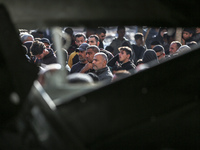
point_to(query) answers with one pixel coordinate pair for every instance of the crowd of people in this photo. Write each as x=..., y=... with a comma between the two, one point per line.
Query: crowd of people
x=88, y=55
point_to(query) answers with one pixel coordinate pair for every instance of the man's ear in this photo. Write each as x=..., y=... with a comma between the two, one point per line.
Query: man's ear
x=105, y=62
x=98, y=43
x=129, y=56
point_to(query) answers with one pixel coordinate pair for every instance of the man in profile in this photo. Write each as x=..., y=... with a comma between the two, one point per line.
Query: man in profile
x=80, y=38
x=174, y=46
x=101, y=33
x=100, y=66
x=122, y=61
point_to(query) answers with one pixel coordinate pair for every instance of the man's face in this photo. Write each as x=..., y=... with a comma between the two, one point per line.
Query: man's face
x=82, y=56
x=123, y=57
x=92, y=41
x=98, y=62
x=89, y=55
x=186, y=35
x=139, y=41
x=47, y=45
x=173, y=48
x=121, y=33
x=40, y=56
x=102, y=36
x=79, y=40
x=160, y=55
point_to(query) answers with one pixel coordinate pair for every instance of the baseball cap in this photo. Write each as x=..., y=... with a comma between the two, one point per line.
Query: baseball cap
x=83, y=47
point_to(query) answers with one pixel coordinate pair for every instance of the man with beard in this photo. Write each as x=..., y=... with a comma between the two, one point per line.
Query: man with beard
x=82, y=58
x=90, y=52
x=100, y=66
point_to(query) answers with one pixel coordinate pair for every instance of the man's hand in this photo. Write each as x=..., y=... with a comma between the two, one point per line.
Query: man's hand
x=87, y=67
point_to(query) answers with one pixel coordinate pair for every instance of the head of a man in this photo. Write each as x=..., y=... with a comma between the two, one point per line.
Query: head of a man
x=121, y=32
x=99, y=61
x=125, y=54
x=139, y=39
x=26, y=37
x=80, y=38
x=38, y=49
x=160, y=52
x=187, y=33
x=46, y=42
x=90, y=52
x=174, y=46
x=101, y=33
x=82, y=52
x=93, y=40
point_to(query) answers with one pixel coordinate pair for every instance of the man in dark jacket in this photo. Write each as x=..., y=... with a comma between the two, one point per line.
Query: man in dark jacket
x=42, y=55
x=122, y=61
x=82, y=58
x=100, y=66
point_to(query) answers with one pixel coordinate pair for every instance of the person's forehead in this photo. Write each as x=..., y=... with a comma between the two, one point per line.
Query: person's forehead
x=173, y=44
x=89, y=50
x=91, y=38
x=102, y=34
x=98, y=57
x=80, y=38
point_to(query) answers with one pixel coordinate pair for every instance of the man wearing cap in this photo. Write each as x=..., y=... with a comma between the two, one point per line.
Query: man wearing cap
x=82, y=58
x=80, y=38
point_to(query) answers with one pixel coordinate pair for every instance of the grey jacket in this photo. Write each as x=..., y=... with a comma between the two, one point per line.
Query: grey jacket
x=104, y=74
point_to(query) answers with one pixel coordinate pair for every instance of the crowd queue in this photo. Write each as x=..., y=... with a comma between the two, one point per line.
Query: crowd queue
x=89, y=60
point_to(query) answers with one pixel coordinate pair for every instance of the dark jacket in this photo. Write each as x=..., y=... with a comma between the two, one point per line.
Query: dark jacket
x=138, y=51
x=48, y=59
x=104, y=74
x=77, y=67
x=114, y=66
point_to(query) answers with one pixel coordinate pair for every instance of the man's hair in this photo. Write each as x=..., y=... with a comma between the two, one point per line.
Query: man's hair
x=100, y=30
x=120, y=28
x=138, y=36
x=69, y=31
x=94, y=48
x=190, y=30
x=37, y=48
x=103, y=55
x=155, y=43
x=94, y=36
x=79, y=35
x=25, y=36
x=178, y=44
x=127, y=50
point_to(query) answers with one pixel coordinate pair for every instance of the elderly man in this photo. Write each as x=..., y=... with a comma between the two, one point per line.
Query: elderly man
x=174, y=46
x=100, y=66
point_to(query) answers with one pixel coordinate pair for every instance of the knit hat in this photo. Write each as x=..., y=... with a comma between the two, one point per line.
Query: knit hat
x=158, y=48
x=149, y=55
x=83, y=47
